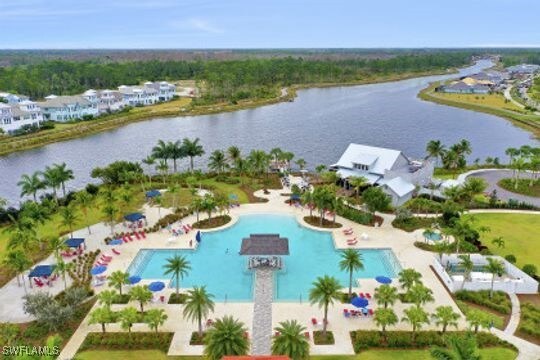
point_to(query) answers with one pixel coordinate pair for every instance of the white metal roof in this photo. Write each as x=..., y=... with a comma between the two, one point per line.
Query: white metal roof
x=346, y=173
x=385, y=158
x=399, y=186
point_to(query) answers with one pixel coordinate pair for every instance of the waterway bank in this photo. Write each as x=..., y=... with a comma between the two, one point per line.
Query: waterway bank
x=175, y=108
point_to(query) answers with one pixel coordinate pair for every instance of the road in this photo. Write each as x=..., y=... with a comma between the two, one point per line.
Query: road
x=493, y=176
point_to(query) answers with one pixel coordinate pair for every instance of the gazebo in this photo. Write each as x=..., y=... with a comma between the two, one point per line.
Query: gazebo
x=134, y=217
x=265, y=250
x=152, y=194
x=41, y=271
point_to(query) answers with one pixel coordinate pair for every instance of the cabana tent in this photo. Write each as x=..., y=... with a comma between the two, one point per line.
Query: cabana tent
x=40, y=271
x=75, y=243
x=134, y=217
x=152, y=194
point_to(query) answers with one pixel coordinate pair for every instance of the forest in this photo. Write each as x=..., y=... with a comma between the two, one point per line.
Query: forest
x=227, y=80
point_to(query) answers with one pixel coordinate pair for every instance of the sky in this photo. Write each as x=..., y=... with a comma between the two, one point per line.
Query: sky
x=189, y=24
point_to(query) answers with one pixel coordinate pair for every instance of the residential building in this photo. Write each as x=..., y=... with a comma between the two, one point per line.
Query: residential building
x=15, y=116
x=138, y=95
x=397, y=175
x=107, y=101
x=12, y=98
x=66, y=108
x=461, y=87
x=165, y=90
x=523, y=69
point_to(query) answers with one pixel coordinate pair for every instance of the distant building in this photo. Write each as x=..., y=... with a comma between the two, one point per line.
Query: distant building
x=523, y=69
x=107, y=101
x=397, y=175
x=15, y=116
x=165, y=90
x=12, y=98
x=66, y=108
x=461, y=87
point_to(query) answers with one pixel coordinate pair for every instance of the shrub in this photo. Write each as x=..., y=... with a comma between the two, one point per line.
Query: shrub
x=35, y=331
x=355, y=215
x=320, y=339
x=92, y=189
x=122, y=340
x=177, y=299
x=510, y=258
x=196, y=339
x=530, y=269
x=363, y=340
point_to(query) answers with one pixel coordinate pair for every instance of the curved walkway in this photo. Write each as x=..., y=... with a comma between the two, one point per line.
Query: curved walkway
x=492, y=177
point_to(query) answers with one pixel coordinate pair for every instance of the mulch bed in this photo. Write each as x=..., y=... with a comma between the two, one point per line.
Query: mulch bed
x=319, y=339
x=316, y=221
x=213, y=222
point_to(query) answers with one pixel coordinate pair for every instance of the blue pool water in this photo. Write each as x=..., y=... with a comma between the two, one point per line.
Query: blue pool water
x=217, y=264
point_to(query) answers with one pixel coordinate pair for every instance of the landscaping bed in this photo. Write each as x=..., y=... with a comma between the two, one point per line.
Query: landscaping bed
x=196, y=339
x=522, y=186
x=529, y=325
x=320, y=339
x=494, y=318
x=414, y=223
x=372, y=339
x=326, y=224
x=125, y=340
x=500, y=302
x=360, y=217
x=177, y=298
x=212, y=222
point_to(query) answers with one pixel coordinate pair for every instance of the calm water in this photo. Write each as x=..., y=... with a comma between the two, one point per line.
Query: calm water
x=217, y=264
x=317, y=126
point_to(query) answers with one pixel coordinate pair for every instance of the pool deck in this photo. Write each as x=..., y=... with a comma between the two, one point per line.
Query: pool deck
x=378, y=237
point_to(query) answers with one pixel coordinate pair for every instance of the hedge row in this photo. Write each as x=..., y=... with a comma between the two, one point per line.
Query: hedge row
x=499, y=302
x=366, y=339
x=125, y=340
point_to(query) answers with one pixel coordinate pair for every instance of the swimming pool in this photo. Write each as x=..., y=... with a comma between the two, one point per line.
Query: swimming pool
x=217, y=264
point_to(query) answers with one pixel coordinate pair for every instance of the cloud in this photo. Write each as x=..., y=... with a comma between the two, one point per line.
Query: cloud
x=196, y=25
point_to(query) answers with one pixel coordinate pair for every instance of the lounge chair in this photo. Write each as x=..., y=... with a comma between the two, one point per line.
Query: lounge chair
x=314, y=321
x=347, y=230
x=370, y=312
x=116, y=251
x=143, y=234
x=368, y=295
x=137, y=236
x=125, y=239
x=352, y=241
x=306, y=334
x=38, y=282
x=361, y=295
x=129, y=237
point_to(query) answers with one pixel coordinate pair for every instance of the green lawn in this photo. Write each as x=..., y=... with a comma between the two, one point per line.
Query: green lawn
x=491, y=353
x=523, y=186
x=519, y=231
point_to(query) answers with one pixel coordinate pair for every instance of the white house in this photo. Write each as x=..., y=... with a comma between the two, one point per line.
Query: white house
x=138, y=96
x=12, y=98
x=165, y=90
x=66, y=108
x=106, y=100
x=394, y=172
x=15, y=116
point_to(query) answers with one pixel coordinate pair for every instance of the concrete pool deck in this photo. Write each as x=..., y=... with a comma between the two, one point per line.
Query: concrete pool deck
x=378, y=237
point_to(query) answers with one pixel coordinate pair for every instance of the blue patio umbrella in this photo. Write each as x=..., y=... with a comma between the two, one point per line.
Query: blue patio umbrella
x=156, y=286
x=98, y=270
x=134, y=279
x=115, y=242
x=198, y=236
x=383, y=279
x=359, y=302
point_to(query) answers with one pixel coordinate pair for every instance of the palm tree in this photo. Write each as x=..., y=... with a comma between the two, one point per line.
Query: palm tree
x=409, y=277
x=499, y=241
x=101, y=316
x=128, y=317
x=385, y=317
x=69, y=218
x=416, y=316
x=18, y=262
x=435, y=149
x=445, y=316
x=307, y=199
x=419, y=294
x=463, y=147
x=155, y=318
x=141, y=294
x=275, y=153
x=161, y=151
x=64, y=175
x=149, y=161
x=301, y=163
x=197, y=205
x=162, y=167
x=226, y=337
x=459, y=348
x=233, y=154
x=192, y=148
x=259, y=161
x=291, y=340
x=468, y=267
x=386, y=295
x=62, y=268
x=351, y=260
x=177, y=266
x=357, y=182
x=117, y=279
x=85, y=200
x=324, y=292
x=110, y=211
x=217, y=161
x=241, y=167
x=56, y=245
x=31, y=184
x=496, y=268
x=22, y=232
x=477, y=318
x=107, y=298
x=176, y=151
x=198, y=305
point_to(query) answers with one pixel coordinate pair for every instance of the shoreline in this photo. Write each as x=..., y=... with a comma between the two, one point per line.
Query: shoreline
x=10, y=145
x=529, y=123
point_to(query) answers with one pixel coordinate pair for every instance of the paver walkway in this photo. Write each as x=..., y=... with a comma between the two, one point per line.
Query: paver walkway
x=262, y=312
x=512, y=325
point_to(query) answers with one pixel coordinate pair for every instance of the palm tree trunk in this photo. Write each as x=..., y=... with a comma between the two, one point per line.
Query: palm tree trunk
x=200, y=326
x=103, y=328
x=64, y=189
x=350, y=283
x=191, y=163
x=174, y=165
x=142, y=307
x=444, y=328
x=325, y=321
x=177, y=284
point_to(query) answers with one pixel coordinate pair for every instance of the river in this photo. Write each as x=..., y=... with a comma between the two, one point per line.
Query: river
x=317, y=126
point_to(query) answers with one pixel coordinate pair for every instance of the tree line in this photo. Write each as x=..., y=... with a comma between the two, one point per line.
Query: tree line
x=222, y=80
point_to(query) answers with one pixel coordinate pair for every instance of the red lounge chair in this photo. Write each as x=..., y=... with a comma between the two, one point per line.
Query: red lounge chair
x=314, y=321
x=277, y=333
x=38, y=282
x=370, y=312
x=130, y=238
x=105, y=256
x=306, y=334
x=137, y=236
x=351, y=243
x=347, y=230
x=116, y=251
x=361, y=295
x=186, y=229
x=162, y=298
x=143, y=234
x=189, y=227
x=125, y=239
x=368, y=295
